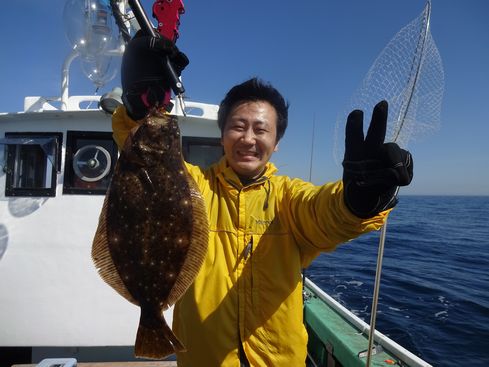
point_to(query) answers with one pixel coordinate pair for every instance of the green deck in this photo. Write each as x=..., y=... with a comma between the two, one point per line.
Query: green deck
x=329, y=331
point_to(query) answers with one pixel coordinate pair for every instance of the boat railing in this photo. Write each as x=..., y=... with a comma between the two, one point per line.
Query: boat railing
x=405, y=355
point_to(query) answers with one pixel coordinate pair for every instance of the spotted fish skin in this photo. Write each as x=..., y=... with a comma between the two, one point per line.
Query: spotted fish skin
x=153, y=230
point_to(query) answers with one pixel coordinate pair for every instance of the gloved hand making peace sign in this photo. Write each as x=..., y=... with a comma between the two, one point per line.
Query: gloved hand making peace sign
x=373, y=170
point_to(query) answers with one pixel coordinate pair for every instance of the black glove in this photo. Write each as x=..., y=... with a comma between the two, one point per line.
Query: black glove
x=144, y=70
x=372, y=170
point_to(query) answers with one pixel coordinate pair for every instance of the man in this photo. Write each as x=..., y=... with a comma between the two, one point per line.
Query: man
x=245, y=306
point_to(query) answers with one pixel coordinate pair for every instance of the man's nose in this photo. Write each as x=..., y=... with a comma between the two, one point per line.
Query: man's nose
x=249, y=136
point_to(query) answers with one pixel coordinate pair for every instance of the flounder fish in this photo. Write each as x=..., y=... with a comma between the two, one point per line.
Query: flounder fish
x=153, y=231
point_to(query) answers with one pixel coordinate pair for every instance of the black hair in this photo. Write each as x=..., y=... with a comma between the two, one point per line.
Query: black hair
x=255, y=90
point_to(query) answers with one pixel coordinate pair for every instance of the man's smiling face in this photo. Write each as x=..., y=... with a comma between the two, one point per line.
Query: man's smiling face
x=249, y=137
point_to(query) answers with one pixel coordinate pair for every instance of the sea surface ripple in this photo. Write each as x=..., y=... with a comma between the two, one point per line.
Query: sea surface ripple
x=434, y=293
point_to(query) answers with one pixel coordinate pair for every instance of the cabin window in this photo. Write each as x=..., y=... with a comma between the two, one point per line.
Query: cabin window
x=201, y=151
x=89, y=163
x=31, y=163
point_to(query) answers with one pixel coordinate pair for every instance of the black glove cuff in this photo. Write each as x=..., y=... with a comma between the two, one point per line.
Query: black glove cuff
x=367, y=202
x=135, y=107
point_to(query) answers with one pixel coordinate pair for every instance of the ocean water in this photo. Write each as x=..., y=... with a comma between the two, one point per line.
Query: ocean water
x=434, y=292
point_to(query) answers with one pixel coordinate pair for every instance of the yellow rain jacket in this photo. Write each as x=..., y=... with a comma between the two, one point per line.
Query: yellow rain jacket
x=249, y=289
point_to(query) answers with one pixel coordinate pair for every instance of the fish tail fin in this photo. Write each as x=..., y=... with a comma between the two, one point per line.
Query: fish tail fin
x=156, y=343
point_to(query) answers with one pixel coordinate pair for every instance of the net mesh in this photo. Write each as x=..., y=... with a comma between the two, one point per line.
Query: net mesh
x=408, y=73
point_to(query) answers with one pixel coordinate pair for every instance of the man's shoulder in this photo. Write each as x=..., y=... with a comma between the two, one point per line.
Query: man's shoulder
x=289, y=185
x=202, y=175
x=288, y=180
x=196, y=170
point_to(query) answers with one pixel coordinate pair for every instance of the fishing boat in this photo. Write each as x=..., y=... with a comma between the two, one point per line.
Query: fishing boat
x=56, y=166
x=56, y=160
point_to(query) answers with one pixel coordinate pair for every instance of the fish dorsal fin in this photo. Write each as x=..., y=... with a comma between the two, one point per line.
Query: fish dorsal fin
x=103, y=260
x=198, y=245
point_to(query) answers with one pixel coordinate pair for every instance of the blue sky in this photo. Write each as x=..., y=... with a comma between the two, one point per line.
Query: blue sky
x=316, y=53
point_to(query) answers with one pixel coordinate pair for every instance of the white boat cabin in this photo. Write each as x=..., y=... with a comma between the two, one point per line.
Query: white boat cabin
x=55, y=167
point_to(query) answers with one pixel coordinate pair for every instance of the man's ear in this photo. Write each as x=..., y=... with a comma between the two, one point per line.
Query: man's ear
x=276, y=148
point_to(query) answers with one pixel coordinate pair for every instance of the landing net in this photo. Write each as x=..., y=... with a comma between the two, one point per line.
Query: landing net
x=408, y=73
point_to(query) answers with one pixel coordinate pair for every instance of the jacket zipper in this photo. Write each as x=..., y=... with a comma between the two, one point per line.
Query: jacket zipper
x=248, y=249
x=249, y=252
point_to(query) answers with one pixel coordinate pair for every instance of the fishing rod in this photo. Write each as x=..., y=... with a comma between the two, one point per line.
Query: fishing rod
x=167, y=14
x=120, y=20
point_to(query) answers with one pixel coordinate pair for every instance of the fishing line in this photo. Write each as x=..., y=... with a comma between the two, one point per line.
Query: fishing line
x=310, y=179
